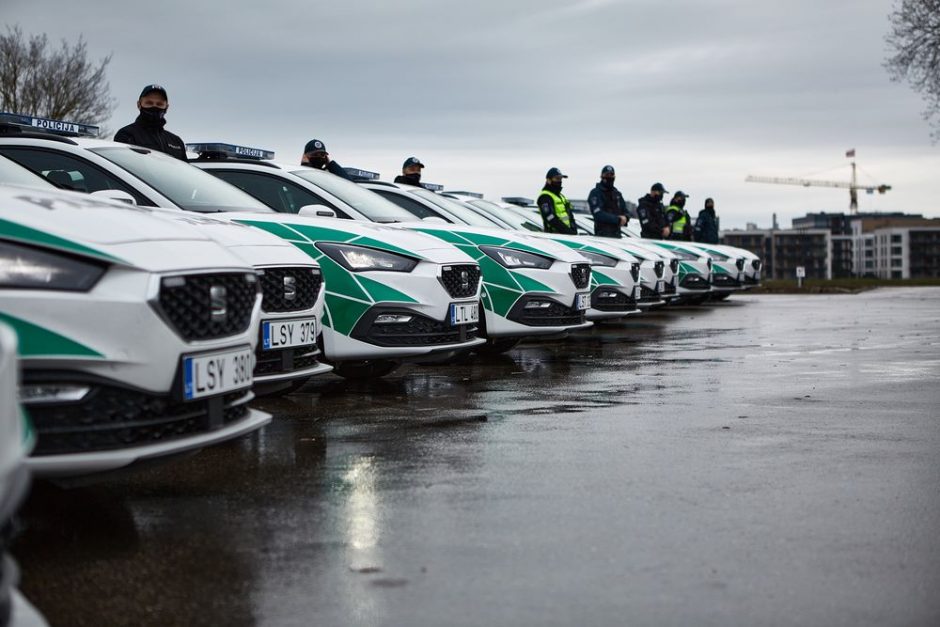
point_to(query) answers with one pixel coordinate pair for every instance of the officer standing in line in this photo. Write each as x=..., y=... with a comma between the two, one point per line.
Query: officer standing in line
x=410, y=172
x=316, y=156
x=680, y=224
x=650, y=211
x=147, y=130
x=706, y=224
x=557, y=216
x=608, y=206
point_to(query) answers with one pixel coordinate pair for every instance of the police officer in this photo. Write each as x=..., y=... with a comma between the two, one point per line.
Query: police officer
x=706, y=224
x=316, y=156
x=650, y=211
x=607, y=205
x=147, y=130
x=557, y=216
x=410, y=172
x=680, y=224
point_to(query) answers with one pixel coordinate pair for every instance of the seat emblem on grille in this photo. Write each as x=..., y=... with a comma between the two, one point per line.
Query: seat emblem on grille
x=290, y=288
x=464, y=280
x=217, y=303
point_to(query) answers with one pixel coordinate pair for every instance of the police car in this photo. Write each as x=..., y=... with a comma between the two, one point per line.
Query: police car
x=288, y=353
x=615, y=274
x=136, y=332
x=523, y=294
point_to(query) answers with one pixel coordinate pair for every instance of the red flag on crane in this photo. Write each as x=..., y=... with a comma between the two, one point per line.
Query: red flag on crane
x=850, y=152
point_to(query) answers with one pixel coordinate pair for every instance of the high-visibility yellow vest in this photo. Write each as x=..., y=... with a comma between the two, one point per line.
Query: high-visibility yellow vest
x=678, y=227
x=562, y=206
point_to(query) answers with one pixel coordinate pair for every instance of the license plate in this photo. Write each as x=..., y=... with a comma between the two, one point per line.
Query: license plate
x=464, y=314
x=660, y=287
x=582, y=301
x=637, y=292
x=287, y=333
x=216, y=373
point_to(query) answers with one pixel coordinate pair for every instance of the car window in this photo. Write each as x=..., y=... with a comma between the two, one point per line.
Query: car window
x=411, y=206
x=455, y=209
x=69, y=172
x=369, y=204
x=185, y=185
x=14, y=174
x=277, y=193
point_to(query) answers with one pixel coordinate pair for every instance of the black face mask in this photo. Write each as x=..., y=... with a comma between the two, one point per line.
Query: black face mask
x=153, y=115
x=554, y=187
x=680, y=202
x=710, y=207
x=608, y=181
x=415, y=176
x=317, y=162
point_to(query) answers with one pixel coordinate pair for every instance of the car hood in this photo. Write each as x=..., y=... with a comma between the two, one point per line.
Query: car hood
x=469, y=237
x=107, y=230
x=392, y=238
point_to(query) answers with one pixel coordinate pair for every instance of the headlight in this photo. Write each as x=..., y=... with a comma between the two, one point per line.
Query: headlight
x=517, y=258
x=360, y=258
x=22, y=267
x=598, y=259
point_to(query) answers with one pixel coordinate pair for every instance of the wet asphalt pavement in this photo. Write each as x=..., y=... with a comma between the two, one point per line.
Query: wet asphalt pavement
x=769, y=460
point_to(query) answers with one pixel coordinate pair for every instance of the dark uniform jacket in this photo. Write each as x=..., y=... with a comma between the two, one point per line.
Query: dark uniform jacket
x=153, y=136
x=706, y=226
x=550, y=220
x=652, y=218
x=607, y=205
x=405, y=180
x=676, y=215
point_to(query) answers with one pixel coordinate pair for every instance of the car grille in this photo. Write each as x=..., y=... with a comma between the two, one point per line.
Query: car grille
x=285, y=360
x=670, y=286
x=756, y=264
x=739, y=264
x=581, y=275
x=208, y=306
x=419, y=331
x=555, y=315
x=751, y=281
x=695, y=282
x=725, y=280
x=635, y=271
x=606, y=299
x=659, y=267
x=461, y=281
x=115, y=418
x=674, y=265
x=289, y=289
x=649, y=295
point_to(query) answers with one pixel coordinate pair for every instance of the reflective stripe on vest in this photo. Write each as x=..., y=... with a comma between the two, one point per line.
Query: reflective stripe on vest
x=562, y=206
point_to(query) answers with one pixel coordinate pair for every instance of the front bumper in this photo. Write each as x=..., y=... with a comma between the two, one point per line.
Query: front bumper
x=608, y=302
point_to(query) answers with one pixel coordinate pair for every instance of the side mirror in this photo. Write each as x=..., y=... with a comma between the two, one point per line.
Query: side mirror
x=115, y=194
x=316, y=211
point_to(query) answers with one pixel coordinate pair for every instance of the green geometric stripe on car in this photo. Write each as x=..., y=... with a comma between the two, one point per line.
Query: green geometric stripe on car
x=340, y=282
x=717, y=269
x=530, y=285
x=12, y=230
x=344, y=313
x=686, y=268
x=374, y=243
x=275, y=229
x=500, y=299
x=381, y=292
x=579, y=246
x=35, y=341
x=602, y=279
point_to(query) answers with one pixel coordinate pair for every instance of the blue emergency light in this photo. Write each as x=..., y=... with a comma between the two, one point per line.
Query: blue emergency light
x=362, y=175
x=434, y=187
x=230, y=151
x=56, y=127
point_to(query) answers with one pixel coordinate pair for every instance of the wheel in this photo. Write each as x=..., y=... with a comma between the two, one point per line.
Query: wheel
x=495, y=347
x=371, y=369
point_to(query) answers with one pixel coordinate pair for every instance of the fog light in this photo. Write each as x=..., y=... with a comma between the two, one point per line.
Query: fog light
x=538, y=304
x=393, y=319
x=52, y=393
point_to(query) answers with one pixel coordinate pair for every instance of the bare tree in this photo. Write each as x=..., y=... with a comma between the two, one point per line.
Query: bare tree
x=62, y=83
x=915, y=39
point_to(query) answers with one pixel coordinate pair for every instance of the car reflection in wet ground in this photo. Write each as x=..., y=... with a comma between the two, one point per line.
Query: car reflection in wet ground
x=771, y=459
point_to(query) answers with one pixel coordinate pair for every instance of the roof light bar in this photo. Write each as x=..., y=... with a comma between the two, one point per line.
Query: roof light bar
x=55, y=127
x=362, y=175
x=434, y=187
x=230, y=151
x=470, y=194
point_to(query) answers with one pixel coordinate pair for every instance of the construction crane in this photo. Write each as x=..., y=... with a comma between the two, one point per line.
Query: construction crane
x=852, y=185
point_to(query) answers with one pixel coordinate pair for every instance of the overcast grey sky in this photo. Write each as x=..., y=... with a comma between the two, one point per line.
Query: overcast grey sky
x=489, y=94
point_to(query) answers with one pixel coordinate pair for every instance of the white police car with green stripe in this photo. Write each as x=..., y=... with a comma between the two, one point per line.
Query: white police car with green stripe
x=136, y=332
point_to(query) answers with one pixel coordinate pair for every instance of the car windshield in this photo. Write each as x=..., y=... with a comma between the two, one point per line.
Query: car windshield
x=455, y=209
x=188, y=187
x=365, y=201
x=15, y=174
x=517, y=221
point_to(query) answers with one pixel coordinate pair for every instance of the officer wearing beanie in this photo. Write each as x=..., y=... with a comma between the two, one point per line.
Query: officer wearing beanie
x=557, y=216
x=148, y=129
x=607, y=206
x=410, y=172
x=316, y=156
